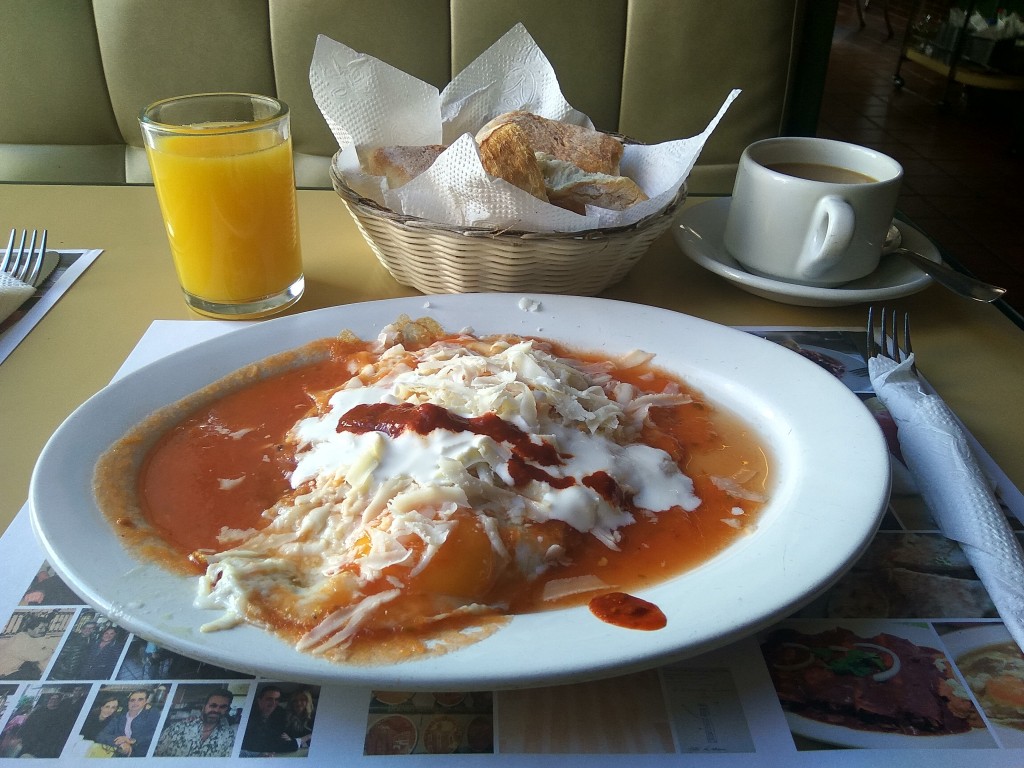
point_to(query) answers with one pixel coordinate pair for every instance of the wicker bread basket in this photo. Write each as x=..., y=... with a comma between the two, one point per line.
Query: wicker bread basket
x=439, y=258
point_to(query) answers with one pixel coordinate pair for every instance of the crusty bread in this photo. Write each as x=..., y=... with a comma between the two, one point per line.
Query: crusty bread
x=590, y=150
x=506, y=153
x=401, y=164
x=573, y=189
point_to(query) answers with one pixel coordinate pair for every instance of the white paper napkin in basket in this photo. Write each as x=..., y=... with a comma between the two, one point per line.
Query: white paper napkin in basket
x=368, y=103
x=953, y=486
x=13, y=293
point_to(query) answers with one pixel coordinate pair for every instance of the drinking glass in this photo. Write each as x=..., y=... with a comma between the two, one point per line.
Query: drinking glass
x=224, y=177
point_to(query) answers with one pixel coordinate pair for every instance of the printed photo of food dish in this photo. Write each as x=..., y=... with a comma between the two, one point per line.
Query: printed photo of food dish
x=993, y=666
x=907, y=575
x=439, y=723
x=839, y=352
x=870, y=685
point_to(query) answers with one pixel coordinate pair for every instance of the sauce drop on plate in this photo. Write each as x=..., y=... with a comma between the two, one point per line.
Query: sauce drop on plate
x=628, y=611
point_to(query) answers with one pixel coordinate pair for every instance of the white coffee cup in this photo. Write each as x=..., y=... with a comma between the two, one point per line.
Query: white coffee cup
x=811, y=211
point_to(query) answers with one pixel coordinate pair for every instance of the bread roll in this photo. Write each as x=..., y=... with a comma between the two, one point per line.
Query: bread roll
x=506, y=153
x=590, y=150
x=573, y=189
x=401, y=164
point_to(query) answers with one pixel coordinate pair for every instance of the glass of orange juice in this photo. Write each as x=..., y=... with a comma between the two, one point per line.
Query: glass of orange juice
x=223, y=172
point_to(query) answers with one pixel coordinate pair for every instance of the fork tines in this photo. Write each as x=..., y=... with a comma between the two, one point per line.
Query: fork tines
x=6, y=265
x=24, y=265
x=889, y=344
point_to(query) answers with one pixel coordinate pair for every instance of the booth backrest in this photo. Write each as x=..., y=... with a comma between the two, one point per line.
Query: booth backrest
x=74, y=74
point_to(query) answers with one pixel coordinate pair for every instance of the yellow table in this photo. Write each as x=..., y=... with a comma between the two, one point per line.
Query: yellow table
x=971, y=353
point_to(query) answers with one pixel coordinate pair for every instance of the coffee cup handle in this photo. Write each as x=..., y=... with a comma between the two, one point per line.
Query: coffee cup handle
x=829, y=236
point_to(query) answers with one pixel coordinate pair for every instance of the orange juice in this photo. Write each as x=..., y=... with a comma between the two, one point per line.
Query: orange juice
x=228, y=202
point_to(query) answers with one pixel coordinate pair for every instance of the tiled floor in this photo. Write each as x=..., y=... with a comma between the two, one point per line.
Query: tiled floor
x=963, y=183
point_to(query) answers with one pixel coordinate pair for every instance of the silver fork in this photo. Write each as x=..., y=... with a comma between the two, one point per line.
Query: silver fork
x=889, y=344
x=22, y=264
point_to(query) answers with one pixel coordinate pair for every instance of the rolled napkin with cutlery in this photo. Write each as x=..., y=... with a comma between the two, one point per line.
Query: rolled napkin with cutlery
x=13, y=293
x=953, y=485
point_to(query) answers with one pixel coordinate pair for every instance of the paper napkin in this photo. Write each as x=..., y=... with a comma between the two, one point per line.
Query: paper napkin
x=13, y=293
x=953, y=486
x=368, y=103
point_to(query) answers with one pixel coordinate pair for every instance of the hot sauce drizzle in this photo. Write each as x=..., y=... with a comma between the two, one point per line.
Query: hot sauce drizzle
x=392, y=419
x=628, y=611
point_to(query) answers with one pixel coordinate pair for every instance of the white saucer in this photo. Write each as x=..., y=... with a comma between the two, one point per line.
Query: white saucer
x=699, y=232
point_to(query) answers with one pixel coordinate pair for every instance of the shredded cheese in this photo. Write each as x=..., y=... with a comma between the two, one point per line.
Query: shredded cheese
x=372, y=508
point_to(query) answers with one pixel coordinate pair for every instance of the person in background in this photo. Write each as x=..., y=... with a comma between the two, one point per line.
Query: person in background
x=10, y=738
x=266, y=733
x=99, y=716
x=208, y=734
x=23, y=655
x=301, y=712
x=75, y=652
x=47, y=726
x=105, y=707
x=133, y=665
x=158, y=662
x=100, y=661
x=130, y=732
x=49, y=589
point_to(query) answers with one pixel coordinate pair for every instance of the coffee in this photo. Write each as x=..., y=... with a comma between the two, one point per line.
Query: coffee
x=832, y=174
x=799, y=214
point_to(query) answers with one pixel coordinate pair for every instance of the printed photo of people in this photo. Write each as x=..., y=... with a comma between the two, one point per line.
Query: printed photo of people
x=47, y=588
x=281, y=720
x=148, y=661
x=42, y=720
x=7, y=691
x=28, y=640
x=203, y=720
x=121, y=721
x=91, y=650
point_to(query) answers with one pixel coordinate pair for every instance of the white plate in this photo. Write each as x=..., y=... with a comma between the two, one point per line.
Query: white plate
x=831, y=486
x=699, y=231
x=973, y=638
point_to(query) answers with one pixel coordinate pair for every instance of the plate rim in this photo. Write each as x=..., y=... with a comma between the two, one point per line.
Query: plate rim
x=559, y=664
